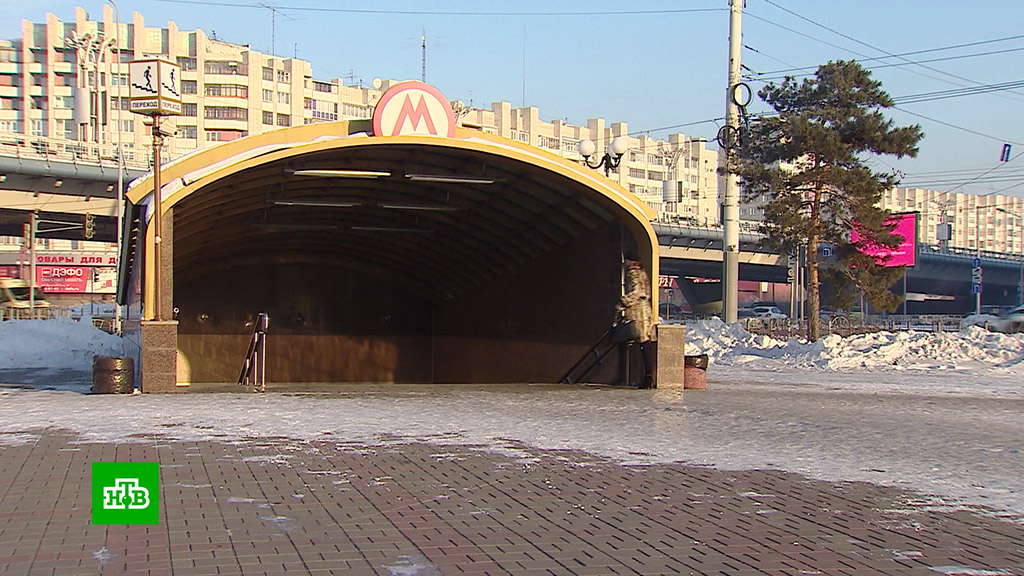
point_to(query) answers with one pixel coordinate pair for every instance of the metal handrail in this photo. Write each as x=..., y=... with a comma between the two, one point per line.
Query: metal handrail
x=254, y=367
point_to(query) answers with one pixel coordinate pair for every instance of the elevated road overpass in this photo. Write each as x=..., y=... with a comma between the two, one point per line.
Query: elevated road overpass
x=940, y=283
x=65, y=180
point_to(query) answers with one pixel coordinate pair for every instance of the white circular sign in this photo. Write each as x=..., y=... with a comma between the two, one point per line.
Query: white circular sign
x=413, y=109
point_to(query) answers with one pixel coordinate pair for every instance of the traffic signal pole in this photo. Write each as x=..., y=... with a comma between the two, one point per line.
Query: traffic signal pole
x=32, y=223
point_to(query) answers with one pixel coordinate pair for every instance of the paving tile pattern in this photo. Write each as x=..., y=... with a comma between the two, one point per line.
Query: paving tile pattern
x=279, y=506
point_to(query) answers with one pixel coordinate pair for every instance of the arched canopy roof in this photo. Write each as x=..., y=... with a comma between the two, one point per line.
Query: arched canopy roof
x=444, y=213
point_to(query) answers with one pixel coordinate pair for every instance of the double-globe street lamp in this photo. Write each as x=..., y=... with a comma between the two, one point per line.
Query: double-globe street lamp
x=612, y=156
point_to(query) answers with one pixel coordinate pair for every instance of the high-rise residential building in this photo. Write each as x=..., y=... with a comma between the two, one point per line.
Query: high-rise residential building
x=66, y=82
x=677, y=177
x=992, y=223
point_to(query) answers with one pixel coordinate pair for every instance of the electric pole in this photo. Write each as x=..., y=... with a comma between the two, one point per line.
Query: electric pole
x=730, y=202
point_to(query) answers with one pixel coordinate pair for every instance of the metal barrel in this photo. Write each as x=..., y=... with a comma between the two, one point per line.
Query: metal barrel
x=112, y=375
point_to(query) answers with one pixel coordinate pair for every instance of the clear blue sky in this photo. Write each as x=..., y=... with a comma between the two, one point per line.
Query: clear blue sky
x=652, y=64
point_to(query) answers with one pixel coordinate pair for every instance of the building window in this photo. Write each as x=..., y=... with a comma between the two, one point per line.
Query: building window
x=188, y=109
x=187, y=64
x=70, y=127
x=226, y=113
x=323, y=87
x=569, y=145
x=36, y=127
x=65, y=102
x=222, y=67
x=268, y=118
x=284, y=120
x=188, y=132
x=283, y=76
x=188, y=87
x=127, y=125
x=224, y=135
x=232, y=90
x=118, y=79
x=308, y=104
x=284, y=98
x=637, y=173
x=268, y=74
x=268, y=95
x=657, y=176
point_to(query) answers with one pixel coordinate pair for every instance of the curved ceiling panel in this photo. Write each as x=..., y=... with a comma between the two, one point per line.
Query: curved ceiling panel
x=445, y=217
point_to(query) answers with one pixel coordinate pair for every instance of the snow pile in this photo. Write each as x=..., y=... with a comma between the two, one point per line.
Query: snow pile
x=60, y=343
x=731, y=345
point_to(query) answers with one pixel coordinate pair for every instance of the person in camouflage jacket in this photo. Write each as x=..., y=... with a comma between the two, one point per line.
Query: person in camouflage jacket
x=635, y=307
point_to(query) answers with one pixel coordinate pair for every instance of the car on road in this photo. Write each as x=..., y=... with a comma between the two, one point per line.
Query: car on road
x=769, y=313
x=1010, y=322
x=17, y=300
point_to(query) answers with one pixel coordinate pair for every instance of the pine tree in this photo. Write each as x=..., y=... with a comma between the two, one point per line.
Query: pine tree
x=808, y=163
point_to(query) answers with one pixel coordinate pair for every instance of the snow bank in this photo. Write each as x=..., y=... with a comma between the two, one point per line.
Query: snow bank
x=60, y=343
x=972, y=347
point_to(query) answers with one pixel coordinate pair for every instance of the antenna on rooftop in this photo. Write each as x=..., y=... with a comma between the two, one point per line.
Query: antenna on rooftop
x=273, y=24
x=423, y=71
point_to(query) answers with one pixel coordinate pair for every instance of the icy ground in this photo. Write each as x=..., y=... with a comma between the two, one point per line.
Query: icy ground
x=938, y=413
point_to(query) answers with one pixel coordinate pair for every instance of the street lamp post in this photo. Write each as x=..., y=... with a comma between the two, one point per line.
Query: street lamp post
x=119, y=153
x=612, y=156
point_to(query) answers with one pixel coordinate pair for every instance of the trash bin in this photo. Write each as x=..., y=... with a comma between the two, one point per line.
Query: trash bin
x=112, y=375
x=695, y=372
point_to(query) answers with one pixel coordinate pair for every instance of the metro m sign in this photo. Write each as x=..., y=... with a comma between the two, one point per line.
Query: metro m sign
x=413, y=109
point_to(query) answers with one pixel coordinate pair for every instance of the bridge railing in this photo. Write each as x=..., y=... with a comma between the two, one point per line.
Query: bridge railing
x=41, y=148
x=968, y=252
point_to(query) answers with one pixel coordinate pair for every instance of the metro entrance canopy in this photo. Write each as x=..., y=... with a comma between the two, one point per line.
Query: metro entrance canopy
x=401, y=249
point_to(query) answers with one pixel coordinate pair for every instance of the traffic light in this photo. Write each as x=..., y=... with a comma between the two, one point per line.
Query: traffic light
x=90, y=226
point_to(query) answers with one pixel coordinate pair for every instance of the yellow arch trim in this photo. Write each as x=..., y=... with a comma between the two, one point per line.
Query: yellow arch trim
x=188, y=174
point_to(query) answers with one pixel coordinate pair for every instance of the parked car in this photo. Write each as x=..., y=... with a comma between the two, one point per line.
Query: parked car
x=1010, y=322
x=15, y=300
x=769, y=313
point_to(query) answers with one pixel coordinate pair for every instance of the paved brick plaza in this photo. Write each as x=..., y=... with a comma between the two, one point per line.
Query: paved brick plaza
x=279, y=506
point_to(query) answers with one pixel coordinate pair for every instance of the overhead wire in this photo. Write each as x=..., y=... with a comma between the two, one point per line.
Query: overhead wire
x=886, y=52
x=980, y=87
x=444, y=12
x=912, y=53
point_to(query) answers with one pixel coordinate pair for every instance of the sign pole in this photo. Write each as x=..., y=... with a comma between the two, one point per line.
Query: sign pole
x=158, y=141
x=155, y=91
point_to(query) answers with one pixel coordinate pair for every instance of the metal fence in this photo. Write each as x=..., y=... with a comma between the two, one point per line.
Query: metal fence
x=846, y=326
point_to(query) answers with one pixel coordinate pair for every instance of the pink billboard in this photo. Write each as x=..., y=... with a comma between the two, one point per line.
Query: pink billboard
x=905, y=254
x=63, y=279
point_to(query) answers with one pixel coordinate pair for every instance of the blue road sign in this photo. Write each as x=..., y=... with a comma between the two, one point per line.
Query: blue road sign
x=976, y=263
x=975, y=288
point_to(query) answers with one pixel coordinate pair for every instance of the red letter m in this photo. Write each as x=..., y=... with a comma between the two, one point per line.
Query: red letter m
x=414, y=115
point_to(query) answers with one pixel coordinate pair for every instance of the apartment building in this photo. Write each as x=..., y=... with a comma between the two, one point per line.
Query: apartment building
x=993, y=223
x=677, y=177
x=68, y=81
